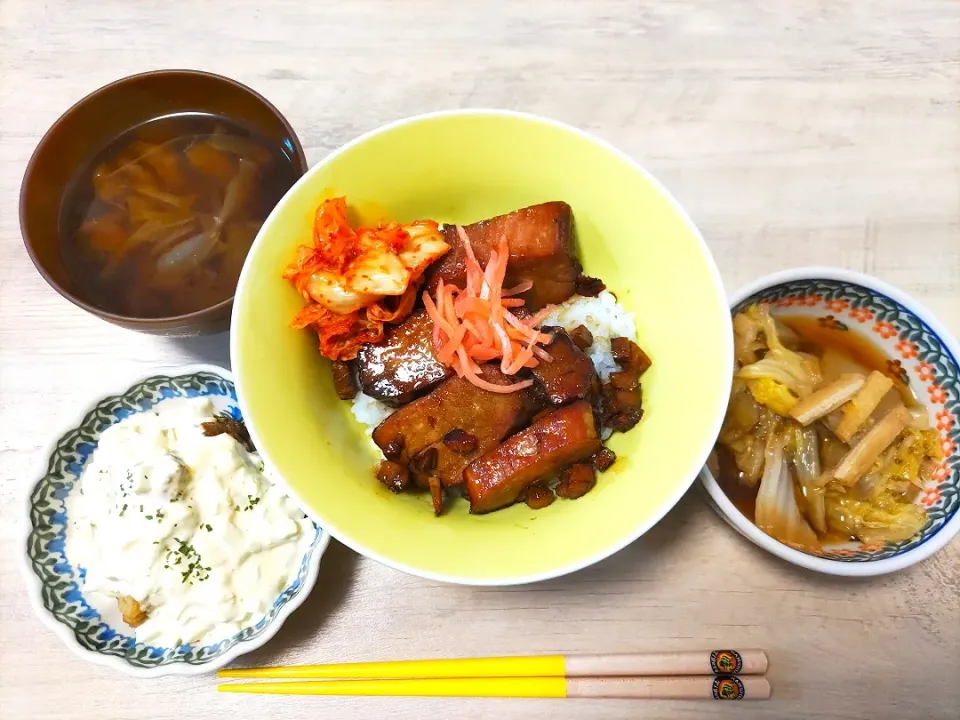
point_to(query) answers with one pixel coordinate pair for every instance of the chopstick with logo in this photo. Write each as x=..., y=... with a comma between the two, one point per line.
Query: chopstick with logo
x=642, y=664
x=692, y=687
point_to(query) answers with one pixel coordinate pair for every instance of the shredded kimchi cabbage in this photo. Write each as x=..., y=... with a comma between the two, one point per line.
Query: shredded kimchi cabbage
x=356, y=280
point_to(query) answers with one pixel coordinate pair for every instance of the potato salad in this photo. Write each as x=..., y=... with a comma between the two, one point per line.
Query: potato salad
x=181, y=526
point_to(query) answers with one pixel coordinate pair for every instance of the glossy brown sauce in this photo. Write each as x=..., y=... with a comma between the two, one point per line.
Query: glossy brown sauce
x=159, y=222
x=816, y=339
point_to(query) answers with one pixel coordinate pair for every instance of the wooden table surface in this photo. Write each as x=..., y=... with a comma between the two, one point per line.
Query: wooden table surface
x=826, y=133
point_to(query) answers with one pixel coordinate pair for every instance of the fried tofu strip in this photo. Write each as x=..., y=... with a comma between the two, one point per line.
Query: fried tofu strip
x=865, y=453
x=862, y=405
x=827, y=399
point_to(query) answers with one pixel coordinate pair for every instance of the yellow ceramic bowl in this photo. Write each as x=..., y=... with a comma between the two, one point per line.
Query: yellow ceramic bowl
x=462, y=167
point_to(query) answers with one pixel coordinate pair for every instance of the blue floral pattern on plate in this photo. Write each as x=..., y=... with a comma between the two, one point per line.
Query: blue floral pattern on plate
x=61, y=590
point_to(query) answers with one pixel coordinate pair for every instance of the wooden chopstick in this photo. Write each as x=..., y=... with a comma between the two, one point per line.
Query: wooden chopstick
x=730, y=662
x=719, y=687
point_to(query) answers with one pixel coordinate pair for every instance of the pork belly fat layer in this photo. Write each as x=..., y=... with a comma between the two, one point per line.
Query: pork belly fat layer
x=457, y=404
x=556, y=440
x=542, y=250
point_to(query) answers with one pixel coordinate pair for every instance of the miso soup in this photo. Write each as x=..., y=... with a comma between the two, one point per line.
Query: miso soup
x=159, y=222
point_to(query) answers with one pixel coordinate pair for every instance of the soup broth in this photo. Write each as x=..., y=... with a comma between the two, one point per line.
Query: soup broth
x=839, y=352
x=159, y=222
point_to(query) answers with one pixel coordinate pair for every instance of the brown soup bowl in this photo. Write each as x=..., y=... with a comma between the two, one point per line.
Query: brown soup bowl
x=91, y=125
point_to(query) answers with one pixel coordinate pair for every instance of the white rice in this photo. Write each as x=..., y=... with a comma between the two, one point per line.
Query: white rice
x=370, y=412
x=603, y=316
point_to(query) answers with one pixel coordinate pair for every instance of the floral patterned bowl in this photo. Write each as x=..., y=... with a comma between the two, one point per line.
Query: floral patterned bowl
x=91, y=625
x=921, y=352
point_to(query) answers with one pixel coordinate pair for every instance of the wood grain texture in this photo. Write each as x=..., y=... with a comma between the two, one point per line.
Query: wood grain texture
x=794, y=133
x=644, y=664
x=672, y=688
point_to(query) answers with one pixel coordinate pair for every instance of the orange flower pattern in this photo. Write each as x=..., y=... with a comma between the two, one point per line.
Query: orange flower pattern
x=884, y=329
x=937, y=395
x=895, y=368
x=948, y=446
x=842, y=552
x=831, y=323
x=837, y=306
x=930, y=497
x=861, y=315
x=810, y=300
x=907, y=349
x=925, y=371
x=940, y=472
x=787, y=301
x=945, y=421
